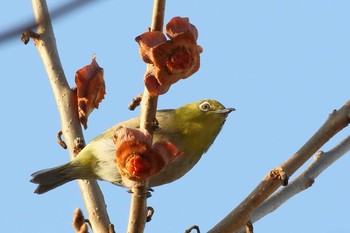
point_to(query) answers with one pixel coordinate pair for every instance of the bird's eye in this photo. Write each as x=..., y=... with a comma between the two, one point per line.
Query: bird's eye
x=205, y=106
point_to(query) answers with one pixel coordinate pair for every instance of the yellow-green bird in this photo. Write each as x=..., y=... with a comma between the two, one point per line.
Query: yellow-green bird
x=192, y=128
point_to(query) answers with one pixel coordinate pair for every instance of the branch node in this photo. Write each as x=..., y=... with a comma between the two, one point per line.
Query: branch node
x=155, y=124
x=318, y=155
x=150, y=212
x=135, y=102
x=60, y=140
x=195, y=227
x=79, y=144
x=249, y=227
x=27, y=35
x=310, y=182
x=111, y=228
x=279, y=173
x=79, y=222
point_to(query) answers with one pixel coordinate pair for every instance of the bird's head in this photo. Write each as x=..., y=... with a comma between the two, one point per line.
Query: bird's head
x=204, y=112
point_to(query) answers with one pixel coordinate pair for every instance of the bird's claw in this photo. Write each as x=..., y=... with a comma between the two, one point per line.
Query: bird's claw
x=147, y=194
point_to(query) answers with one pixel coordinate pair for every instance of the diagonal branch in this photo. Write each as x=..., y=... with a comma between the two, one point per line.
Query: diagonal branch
x=62, y=10
x=240, y=216
x=321, y=161
x=66, y=104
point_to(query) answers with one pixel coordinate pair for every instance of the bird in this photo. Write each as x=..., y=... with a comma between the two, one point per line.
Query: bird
x=192, y=128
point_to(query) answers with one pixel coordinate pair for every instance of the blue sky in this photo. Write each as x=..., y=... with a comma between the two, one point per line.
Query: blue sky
x=284, y=65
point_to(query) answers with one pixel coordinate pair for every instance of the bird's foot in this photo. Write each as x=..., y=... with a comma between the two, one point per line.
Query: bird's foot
x=147, y=194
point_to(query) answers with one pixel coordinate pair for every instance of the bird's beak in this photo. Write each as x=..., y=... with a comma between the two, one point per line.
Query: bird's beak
x=225, y=110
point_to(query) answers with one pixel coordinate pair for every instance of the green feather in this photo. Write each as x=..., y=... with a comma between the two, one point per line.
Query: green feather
x=192, y=128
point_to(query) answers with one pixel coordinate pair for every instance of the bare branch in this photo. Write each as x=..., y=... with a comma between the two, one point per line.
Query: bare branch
x=135, y=102
x=138, y=209
x=138, y=206
x=320, y=163
x=242, y=213
x=27, y=35
x=26, y=27
x=149, y=103
x=66, y=104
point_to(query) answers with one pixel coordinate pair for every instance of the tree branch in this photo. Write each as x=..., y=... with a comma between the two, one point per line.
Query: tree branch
x=304, y=181
x=66, y=104
x=28, y=24
x=138, y=206
x=238, y=217
x=149, y=103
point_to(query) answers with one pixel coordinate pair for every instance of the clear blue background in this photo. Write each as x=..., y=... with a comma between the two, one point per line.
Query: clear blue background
x=284, y=65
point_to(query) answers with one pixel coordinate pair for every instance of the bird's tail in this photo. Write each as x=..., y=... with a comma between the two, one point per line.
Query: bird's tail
x=51, y=178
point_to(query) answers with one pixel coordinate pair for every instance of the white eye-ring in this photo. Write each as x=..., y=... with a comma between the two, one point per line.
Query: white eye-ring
x=205, y=106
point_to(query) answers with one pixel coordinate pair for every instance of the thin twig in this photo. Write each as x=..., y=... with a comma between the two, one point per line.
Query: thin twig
x=150, y=212
x=138, y=206
x=78, y=222
x=27, y=35
x=60, y=140
x=27, y=25
x=46, y=45
x=135, y=102
x=242, y=213
x=194, y=227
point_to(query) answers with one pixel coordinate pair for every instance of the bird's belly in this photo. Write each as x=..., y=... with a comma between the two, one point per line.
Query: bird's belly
x=174, y=171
